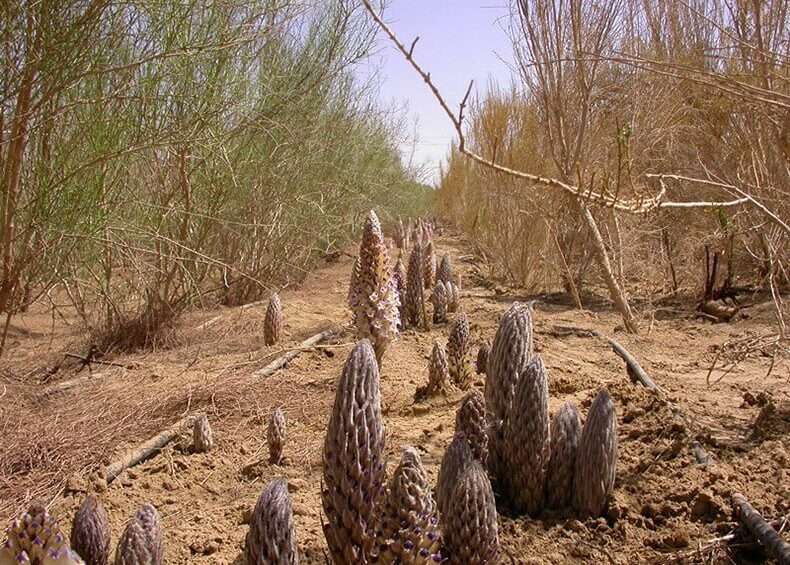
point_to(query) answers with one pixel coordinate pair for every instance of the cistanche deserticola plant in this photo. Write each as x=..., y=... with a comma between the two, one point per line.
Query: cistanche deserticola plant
x=90, y=532
x=36, y=538
x=416, y=543
x=399, y=276
x=438, y=374
x=408, y=498
x=565, y=433
x=202, y=438
x=527, y=441
x=596, y=457
x=415, y=290
x=439, y=300
x=445, y=271
x=458, y=352
x=271, y=538
x=470, y=529
x=276, y=435
x=141, y=540
x=428, y=265
x=456, y=458
x=374, y=297
x=510, y=352
x=273, y=322
x=470, y=419
x=453, y=297
x=482, y=358
x=354, y=460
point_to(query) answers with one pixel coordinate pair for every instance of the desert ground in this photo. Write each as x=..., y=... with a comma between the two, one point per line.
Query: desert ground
x=61, y=423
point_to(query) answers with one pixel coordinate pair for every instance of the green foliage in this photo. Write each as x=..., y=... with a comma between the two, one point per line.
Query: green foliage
x=185, y=151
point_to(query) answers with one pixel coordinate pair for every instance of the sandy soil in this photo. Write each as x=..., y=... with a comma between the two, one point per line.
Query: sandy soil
x=666, y=507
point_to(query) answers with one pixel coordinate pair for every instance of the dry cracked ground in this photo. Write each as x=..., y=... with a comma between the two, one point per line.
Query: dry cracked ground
x=57, y=428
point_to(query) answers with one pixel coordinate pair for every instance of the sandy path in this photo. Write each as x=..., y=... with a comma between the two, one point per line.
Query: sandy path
x=664, y=506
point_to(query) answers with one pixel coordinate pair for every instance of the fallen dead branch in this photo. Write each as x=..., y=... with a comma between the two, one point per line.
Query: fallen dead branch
x=280, y=362
x=211, y=321
x=147, y=450
x=767, y=536
x=638, y=375
x=65, y=385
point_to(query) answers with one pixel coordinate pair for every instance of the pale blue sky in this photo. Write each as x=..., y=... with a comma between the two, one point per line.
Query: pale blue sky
x=460, y=40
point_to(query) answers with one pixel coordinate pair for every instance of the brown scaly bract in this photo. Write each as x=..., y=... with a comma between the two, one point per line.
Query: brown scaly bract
x=202, y=439
x=353, y=460
x=438, y=375
x=527, y=440
x=596, y=457
x=510, y=352
x=35, y=539
x=470, y=525
x=373, y=296
x=273, y=323
x=409, y=497
x=276, y=435
x=470, y=419
x=141, y=541
x=457, y=457
x=565, y=433
x=90, y=532
x=445, y=271
x=415, y=290
x=482, y=358
x=439, y=300
x=272, y=535
x=458, y=346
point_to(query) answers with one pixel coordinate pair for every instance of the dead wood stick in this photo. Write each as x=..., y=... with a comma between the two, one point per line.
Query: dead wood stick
x=637, y=374
x=147, y=449
x=211, y=321
x=635, y=370
x=761, y=530
x=65, y=385
x=280, y=362
x=91, y=360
